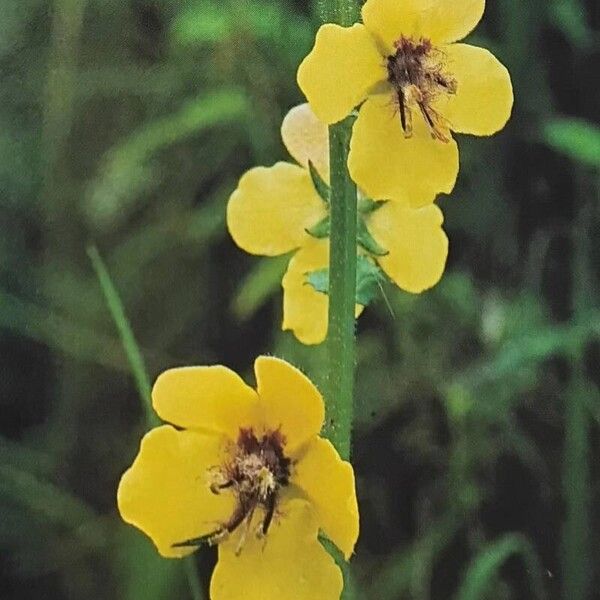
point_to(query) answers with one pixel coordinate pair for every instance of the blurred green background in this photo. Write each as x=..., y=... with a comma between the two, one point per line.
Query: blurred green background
x=126, y=124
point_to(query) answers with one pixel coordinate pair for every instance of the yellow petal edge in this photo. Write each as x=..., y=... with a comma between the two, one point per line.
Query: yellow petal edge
x=328, y=482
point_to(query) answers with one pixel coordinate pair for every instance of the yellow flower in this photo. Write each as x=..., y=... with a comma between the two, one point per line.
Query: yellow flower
x=273, y=209
x=245, y=469
x=416, y=86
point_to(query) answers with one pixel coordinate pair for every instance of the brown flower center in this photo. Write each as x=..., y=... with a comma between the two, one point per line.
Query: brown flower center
x=418, y=75
x=255, y=475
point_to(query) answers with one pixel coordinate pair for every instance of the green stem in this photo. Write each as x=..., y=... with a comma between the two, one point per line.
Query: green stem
x=342, y=292
x=342, y=12
x=341, y=342
x=342, y=262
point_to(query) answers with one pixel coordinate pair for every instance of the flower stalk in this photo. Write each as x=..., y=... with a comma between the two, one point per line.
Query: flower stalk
x=342, y=262
x=342, y=292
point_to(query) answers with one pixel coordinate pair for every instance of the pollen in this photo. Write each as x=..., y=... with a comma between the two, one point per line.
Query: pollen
x=255, y=475
x=418, y=75
x=259, y=467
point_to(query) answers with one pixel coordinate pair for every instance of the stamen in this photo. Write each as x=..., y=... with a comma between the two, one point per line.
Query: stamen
x=255, y=475
x=417, y=72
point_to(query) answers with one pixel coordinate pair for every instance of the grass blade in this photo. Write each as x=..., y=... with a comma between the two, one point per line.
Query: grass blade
x=138, y=368
x=132, y=350
x=485, y=566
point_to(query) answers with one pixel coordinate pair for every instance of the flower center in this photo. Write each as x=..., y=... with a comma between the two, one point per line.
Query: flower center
x=255, y=475
x=259, y=467
x=418, y=75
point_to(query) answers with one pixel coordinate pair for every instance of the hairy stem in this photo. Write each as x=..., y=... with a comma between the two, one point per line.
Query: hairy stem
x=342, y=261
x=342, y=12
x=342, y=276
x=342, y=292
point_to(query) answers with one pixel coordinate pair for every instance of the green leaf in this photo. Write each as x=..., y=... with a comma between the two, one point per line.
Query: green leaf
x=142, y=573
x=368, y=280
x=320, y=185
x=52, y=504
x=127, y=172
x=578, y=139
x=209, y=22
x=401, y=571
x=59, y=333
x=321, y=229
x=366, y=240
x=482, y=571
x=570, y=17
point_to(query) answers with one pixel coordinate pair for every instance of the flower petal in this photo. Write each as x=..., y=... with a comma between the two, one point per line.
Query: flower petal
x=166, y=493
x=305, y=309
x=339, y=71
x=441, y=21
x=288, y=564
x=271, y=209
x=306, y=138
x=484, y=96
x=289, y=401
x=386, y=165
x=417, y=244
x=210, y=398
x=445, y=21
x=328, y=481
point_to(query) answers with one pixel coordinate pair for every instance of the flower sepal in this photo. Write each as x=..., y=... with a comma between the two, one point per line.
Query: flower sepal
x=369, y=278
x=366, y=206
x=321, y=186
x=321, y=229
x=367, y=241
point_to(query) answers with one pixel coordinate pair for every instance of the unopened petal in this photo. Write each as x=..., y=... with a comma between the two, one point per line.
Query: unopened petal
x=328, y=482
x=339, y=71
x=416, y=242
x=387, y=165
x=484, y=95
x=166, y=491
x=272, y=207
x=289, y=401
x=306, y=138
x=209, y=398
x=288, y=564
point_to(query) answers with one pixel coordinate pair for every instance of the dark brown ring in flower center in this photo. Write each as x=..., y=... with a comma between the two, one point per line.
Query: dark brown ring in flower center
x=255, y=475
x=418, y=75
